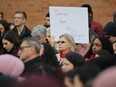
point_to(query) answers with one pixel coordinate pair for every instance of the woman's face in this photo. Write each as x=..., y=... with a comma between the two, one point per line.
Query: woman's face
x=2, y=28
x=7, y=45
x=48, y=36
x=12, y=27
x=78, y=47
x=96, y=46
x=112, y=38
x=64, y=45
x=114, y=47
x=42, y=40
x=67, y=66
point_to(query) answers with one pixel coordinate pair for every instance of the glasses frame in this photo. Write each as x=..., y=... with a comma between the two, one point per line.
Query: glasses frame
x=22, y=47
x=61, y=42
x=18, y=17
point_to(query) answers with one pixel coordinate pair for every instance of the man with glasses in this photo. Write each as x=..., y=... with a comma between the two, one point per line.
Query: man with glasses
x=29, y=53
x=19, y=21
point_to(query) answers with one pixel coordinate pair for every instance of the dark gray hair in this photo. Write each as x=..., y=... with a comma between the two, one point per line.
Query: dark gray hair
x=38, y=31
x=33, y=42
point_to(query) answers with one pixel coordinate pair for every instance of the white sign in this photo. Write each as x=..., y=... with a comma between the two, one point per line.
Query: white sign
x=72, y=20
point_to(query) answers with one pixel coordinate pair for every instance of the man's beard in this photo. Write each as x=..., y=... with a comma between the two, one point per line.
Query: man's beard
x=46, y=25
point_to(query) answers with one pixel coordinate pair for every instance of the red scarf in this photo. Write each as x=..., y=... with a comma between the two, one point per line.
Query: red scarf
x=63, y=55
x=91, y=57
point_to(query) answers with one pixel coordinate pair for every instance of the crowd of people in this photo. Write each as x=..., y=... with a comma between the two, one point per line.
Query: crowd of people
x=32, y=57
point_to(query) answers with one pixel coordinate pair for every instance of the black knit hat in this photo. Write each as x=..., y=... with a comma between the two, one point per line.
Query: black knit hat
x=110, y=29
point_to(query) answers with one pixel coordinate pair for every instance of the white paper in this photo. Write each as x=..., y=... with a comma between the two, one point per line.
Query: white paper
x=72, y=20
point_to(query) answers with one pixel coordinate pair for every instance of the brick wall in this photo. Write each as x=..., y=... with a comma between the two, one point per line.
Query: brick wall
x=37, y=9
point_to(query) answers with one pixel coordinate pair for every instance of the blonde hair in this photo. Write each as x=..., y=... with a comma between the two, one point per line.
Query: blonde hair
x=70, y=39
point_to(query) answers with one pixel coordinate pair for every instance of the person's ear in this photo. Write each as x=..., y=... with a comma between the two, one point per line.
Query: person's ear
x=24, y=20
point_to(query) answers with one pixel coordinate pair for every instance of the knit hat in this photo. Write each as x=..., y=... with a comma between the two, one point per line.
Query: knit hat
x=110, y=29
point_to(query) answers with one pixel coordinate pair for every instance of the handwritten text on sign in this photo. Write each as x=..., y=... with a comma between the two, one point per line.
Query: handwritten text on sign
x=72, y=20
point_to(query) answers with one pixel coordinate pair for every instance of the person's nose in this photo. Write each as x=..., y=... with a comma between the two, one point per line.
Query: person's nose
x=4, y=46
x=94, y=47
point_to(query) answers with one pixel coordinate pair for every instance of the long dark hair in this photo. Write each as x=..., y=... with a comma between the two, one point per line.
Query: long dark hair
x=12, y=37
x=106, y=45
x=49, y=55
x=114, y=17
x=5, y=25
x=6, y=28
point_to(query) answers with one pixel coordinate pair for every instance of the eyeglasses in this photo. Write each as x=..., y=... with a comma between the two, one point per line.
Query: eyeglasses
x=48, y=36
x=22, y=47
x=106, y=35
x=18, y=18
x=77, y=43
x=114, y=42
x=61, y=42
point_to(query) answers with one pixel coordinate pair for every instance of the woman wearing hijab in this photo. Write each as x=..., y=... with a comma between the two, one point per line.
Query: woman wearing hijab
x=11, y=65
x=72, y=61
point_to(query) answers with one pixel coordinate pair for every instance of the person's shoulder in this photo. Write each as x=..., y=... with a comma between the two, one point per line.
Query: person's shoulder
x=26, y=28
x=34, y=61
x=27, y=31
x=96, y=22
